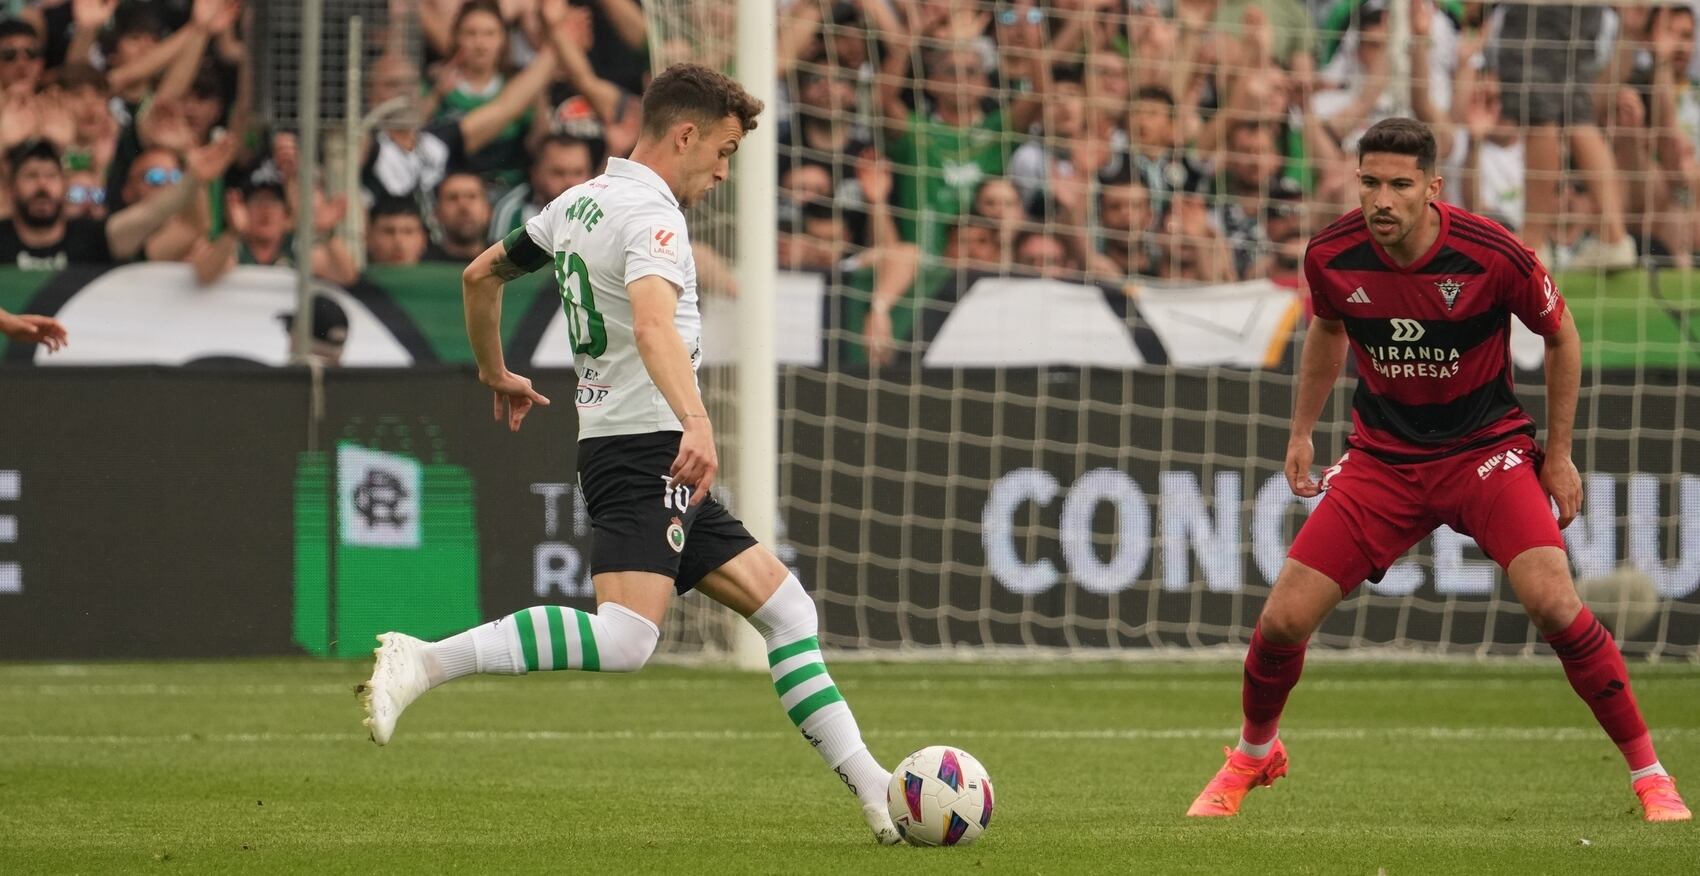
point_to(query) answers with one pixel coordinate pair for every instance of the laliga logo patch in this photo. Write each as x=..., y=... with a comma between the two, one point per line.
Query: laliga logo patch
x=663, y=243
x=676, y=536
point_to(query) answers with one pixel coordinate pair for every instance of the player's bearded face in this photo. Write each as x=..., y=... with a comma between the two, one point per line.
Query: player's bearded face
x=38, y=194
x=1394, y=192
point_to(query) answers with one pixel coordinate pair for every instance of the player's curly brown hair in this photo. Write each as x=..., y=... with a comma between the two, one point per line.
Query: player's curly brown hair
x=692, y=92
x=1401, y=136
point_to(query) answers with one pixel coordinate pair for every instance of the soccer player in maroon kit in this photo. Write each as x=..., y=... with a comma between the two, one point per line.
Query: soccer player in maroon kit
x=1423, y=293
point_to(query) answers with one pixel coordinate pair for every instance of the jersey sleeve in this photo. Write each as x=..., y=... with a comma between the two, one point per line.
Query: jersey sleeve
x=1319, y=303
x=1536, y=300
x=531, y=246
x=656, y=245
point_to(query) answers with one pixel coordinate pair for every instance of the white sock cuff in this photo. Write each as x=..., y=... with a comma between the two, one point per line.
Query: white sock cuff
x=498, y=649
x=616, y=608
x=840, y=738
x=1653, y=769
x=788, y=615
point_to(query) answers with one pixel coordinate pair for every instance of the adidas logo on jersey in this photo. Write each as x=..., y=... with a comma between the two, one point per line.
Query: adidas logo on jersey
x=1359, y=297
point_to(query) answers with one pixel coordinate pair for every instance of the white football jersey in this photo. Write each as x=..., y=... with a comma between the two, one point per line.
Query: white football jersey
x=604, y=233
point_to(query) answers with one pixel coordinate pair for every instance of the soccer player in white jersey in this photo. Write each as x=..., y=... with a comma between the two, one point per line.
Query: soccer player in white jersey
x=646, y=457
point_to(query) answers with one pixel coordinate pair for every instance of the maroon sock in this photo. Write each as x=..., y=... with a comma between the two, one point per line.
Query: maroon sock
x=1596, y=671
x=1271, y=670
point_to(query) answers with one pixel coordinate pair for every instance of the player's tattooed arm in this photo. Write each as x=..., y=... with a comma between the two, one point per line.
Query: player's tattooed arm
x=505, y=270
x=517, y=255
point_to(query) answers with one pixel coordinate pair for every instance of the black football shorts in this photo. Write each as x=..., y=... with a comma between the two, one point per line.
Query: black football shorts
x=641, y=523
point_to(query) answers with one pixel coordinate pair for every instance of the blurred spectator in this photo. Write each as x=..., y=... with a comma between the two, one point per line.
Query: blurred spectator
x=144, y=57
x=328, y=333
x=1193, y=248
x=1284, y=237
x=1251, y=171
x=259, y=230
x=1546, y=56
x=1292, y=33
x=619, y=48
x=41, y=237
x=562, y=161
x=1124, y=210
x=406, y=160
x=1489, y=157
x=1349, y=18
x=475, y=75
x=822, y=132
x=1353, y=90
x=155, y=171
x=1642, y=106
x=463, y=219
x=85, y=195
x=1153, y=149
x=1576, y=211
x=942, y=148
x=1045, y=255
x=997, y=199
x=819, y=240
x=974, y=244
x=615, y=108
x=1051, y=151
x=815, y=240
x=20, y=56
x=94, y=137
x=395, y=233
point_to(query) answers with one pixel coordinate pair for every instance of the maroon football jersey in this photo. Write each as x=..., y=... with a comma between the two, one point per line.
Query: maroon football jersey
x=1432, y=341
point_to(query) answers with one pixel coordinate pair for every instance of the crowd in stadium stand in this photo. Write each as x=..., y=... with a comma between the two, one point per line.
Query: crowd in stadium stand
x=1100, y=140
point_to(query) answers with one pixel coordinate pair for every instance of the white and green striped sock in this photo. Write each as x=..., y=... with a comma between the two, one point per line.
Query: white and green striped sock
x=788, y=623
x=546, y=637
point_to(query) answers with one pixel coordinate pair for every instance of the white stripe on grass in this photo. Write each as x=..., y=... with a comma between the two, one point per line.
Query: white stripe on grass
x=589, y=683
x=1396, y=733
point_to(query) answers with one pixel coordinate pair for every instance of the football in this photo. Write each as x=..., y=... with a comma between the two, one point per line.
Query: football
x=940, y=796
x=1626, y=600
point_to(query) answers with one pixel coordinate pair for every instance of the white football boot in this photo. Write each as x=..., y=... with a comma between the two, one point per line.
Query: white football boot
x=397, y=680
x=885, y=833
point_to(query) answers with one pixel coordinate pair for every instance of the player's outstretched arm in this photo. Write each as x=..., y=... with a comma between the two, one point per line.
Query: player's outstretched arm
x=1564, y=378
x=654, y=300
x=481, y=292
x=1319, y=366
x=31, y=329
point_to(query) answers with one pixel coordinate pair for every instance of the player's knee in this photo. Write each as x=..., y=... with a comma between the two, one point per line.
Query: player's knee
x=788, y=615
x=1552, y=613
x=1541, y=579
x=628, y=638
x=1282, y=627
x=1301, y=599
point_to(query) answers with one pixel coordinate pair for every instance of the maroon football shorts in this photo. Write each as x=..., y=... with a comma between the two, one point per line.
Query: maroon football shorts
x=1373, y=511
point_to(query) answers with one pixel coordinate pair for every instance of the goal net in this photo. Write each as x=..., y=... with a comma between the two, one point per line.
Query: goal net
x=1040, y=313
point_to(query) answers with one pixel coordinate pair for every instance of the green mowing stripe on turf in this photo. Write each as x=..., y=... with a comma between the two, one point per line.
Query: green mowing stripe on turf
x=527, y=638
x=816, y=701
x=587, y=644
x=557, y=636
x=798, y=676
x=781, y=653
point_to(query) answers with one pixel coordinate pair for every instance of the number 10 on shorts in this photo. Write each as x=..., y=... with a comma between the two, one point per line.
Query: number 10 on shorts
x=675, y=497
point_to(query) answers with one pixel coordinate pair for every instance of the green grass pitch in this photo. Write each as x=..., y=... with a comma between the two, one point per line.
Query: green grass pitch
x=262, y=766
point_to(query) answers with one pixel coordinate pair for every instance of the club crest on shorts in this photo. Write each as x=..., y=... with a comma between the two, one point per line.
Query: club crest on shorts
x=1449, y=289
x=676, y=536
